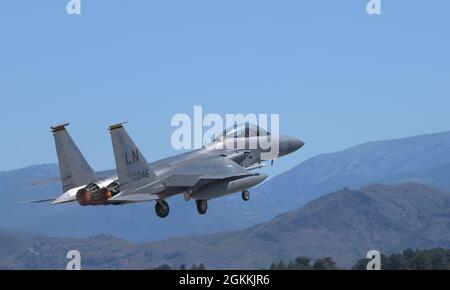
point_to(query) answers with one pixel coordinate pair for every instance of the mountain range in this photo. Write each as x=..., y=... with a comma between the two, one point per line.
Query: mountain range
x=343, y=225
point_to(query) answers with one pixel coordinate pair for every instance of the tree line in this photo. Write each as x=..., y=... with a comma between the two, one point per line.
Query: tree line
x=194, y=267
x=432, y=259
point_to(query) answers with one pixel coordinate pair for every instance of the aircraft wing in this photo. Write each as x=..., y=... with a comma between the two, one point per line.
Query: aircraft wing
x=137, y=177
x=220, y=168
x=209, y=167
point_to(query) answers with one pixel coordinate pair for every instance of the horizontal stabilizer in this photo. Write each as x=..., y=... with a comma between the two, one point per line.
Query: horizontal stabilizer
x=67, y=196
x=134, y=197
x=52, y=180
x=35, y=201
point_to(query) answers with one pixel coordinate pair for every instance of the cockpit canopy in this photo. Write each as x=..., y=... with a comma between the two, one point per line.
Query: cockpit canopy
x=242, y=131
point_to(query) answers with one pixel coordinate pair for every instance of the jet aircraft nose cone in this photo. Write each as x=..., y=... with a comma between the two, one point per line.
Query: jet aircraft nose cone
x=294, y=144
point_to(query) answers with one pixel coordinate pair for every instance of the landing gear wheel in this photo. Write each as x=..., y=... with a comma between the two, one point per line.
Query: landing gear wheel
x=245, y=195
x=202, y=206
x=162, y=208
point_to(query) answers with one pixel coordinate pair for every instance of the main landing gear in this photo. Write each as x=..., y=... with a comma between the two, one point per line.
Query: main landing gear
x=162, y=208
x=202, y=206
x=245, y=195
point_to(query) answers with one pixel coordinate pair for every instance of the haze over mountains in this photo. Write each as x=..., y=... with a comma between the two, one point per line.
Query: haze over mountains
x=424, y=159
x=343, y=225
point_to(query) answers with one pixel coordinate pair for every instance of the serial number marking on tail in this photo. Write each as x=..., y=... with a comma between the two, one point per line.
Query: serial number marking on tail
x=138, y=175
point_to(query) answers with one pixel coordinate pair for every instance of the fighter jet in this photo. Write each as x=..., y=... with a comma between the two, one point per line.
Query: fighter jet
x=219, y=168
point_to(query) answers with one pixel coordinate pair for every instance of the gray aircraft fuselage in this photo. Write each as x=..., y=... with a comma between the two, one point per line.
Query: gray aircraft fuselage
x=245, y=157
x=222, y=167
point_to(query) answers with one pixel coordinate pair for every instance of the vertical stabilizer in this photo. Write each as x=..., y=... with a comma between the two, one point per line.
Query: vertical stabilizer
x=74, y=169
x=133, y=169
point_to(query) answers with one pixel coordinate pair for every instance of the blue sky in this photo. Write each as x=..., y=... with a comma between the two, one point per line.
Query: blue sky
x=337, y=76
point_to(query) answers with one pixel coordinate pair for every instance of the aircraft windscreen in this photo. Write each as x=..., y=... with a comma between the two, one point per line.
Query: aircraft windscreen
x=242, y=131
